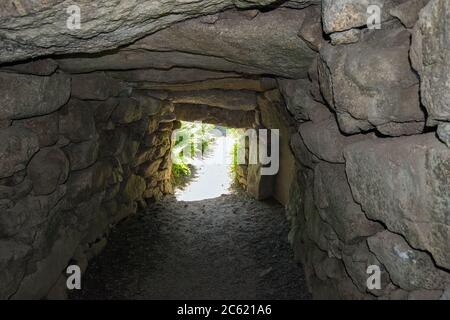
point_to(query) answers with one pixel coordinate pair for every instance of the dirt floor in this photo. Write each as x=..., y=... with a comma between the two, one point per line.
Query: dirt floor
x=231, y=247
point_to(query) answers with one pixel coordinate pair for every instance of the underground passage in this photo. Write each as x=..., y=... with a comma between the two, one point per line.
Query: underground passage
x=236, y=149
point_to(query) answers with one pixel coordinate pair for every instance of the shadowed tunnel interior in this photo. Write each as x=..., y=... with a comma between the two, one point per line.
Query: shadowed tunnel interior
x=358, y=207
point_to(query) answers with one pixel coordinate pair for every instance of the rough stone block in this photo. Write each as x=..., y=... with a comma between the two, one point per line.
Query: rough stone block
x=48, y=169
x=25, y=96
x=408, y=268
x=76, y=121
x=94, y=86
x=404, y=182
x=17, y=146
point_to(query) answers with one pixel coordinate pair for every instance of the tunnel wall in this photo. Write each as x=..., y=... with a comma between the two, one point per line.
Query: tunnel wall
x=274, y=115
x=372, y=173
x=370, y=185
x=78, y=154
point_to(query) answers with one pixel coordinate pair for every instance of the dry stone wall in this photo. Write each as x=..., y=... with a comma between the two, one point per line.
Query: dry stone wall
x=372, y=185
x=79, y=153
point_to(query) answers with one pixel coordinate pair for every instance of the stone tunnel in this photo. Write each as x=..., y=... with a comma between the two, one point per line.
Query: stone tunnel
x=87, y=113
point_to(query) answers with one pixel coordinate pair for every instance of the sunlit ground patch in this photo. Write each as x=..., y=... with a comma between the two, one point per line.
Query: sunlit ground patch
x=213, y=176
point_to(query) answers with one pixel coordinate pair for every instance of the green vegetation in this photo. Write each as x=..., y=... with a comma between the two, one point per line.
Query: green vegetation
x=236, y=135
x=192, y=140
x=180, y=173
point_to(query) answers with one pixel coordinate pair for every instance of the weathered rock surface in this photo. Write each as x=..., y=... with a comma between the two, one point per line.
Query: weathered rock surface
x=45, y=127
x=132, y=59
x=25, y=96
x=311, y=28
x=48, y=270
x=149, y=105
x=15, y=192
x=76, y=121
x=133, y=189
x=443, y=132
x=430, y=56
x=345, y=37
x=404, y=182
x=127, y=111
x=408, y=268
x=259, y=186
x=371, y=84
x=258, y=85
x=17, y=147
x=226, y=99
x=94, y=86
x=21, y=219
x=342, y=15
x=174, y=75
x=48, y=169
x=30, y=29
x=336, y=206
x=408, y=12
x=83, y=154
x=12, y=256
x=219, y=116
x=357, y=258
x=39, y=67
x=325, y=140
x=301, y=152
x=238, y=39
x=299, y=101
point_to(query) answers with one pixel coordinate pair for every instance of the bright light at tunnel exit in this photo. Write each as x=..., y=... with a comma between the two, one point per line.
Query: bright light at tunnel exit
x=213, y=175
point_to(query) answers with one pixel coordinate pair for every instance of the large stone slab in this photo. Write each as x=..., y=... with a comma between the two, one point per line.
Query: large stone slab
x=47, y=271
x=357, y=258
x=299, y=102
x=25, y=96
x=17, y=147
x=404, y=182
x=94, y=86
x=174, y=75
x=48, y=169
x=76, y=121
x=30, y=29
x=46, y=127
x=430, y=56
x=133, y=189
x=408, y=268
x=22, y=218
x=259, y=85
x=83, y=154
x=325, y=141
x=258, y=42
x=12, y=257
x=227, y=99
x=408, y=12
x=370, y=84
x=38, y=67
x=219, y=116
x=127, y=111
x=342, y=15
x=336, y=206
x=129, y=59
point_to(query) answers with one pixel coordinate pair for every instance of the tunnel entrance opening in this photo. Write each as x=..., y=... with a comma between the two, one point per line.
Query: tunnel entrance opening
x=204, y=160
